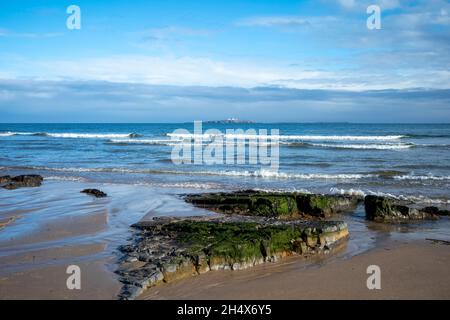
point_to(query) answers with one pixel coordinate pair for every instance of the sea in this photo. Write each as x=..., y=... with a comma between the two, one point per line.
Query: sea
x=407, y=161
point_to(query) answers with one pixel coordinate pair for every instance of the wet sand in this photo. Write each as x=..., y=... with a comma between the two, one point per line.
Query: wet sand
x=416, y=270
x=49, y=283
x=44, y=230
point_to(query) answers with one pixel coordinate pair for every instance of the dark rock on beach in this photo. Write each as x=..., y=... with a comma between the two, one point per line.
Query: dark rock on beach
x=436, y=211
x=23, y=181
x=385, y=209
x=5, y=179
x=272, y=204
x=170, y=249
x=94, y=192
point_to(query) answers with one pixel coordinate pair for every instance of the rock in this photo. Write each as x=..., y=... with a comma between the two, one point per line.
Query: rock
x=23, y=181
x=276, y=205
x=436, y=211
x=177, y=248
x=384, y=209
x=325, y=206
x=94, y=192
x=5, y=179
x=178, y=268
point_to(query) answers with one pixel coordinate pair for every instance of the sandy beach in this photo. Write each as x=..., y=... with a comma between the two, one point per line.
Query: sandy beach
x=55, y=226
x=40, y=243
x=415, y=270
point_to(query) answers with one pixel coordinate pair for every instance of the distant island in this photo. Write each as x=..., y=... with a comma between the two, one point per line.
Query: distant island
x=229, y=121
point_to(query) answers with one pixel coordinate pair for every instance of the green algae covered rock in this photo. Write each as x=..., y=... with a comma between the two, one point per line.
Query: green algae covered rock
x=385, y=209
x=172, y=250
x=228, y=244
x=275, y=205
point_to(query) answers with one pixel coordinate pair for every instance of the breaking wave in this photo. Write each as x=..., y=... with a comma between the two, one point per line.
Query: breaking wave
x=72, y=135
x=399, y=146
x=264, y=173
x=287, y=137
x=409, y=198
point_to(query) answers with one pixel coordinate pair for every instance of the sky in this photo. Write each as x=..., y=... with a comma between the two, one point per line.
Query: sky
x=261, y=60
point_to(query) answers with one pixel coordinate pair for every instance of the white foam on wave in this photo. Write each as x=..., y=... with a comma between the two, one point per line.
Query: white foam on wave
x=258, y=173
x=285, y=175
x=90, y=135
x=71, y=135
x=350, y=192
x=400, y=146
x=422, y=177
x=143, y=141
x=65, y=178
x=181, y=185
x=6, y=134
x=282, y=190
x=412, y=198
x=264, y=173
x=176, y=142
x=286, y=137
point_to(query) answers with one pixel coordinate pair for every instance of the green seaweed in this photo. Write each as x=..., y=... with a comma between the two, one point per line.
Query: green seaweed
x=235, y=242
x=278, y=205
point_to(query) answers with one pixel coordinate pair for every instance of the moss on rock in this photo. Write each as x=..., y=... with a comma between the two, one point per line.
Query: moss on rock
x=385, y=209
x=272, y=204
x=167, y=251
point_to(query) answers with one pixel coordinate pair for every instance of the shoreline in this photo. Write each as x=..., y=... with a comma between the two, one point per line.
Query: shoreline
x=41, y=253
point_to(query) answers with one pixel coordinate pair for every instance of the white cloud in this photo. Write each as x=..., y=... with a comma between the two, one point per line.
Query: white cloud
x=165, y=70
x=347, y=3
x=363, y=4
x=190, y=71
x=274, y=21
x=31, y=101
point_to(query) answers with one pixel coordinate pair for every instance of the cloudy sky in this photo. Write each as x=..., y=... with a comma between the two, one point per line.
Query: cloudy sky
x=170, y=61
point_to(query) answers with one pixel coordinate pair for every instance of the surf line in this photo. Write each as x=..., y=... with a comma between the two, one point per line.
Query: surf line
x=251, y=146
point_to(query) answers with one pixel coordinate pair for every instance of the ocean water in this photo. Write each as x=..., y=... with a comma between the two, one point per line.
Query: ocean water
x=55, y=225
x=408, y=161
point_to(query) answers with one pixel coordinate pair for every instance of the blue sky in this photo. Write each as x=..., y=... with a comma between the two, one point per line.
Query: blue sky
x=166, y=61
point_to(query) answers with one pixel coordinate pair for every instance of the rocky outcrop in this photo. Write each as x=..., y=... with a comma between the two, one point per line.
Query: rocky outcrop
x=95, y=193
x=172, y=249
x=436, y=211
x=23, y=181
x=277, y=205
x=385, y=209
x=5, y=179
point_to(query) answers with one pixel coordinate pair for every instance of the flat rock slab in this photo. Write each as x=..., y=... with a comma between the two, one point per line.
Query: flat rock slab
x=273, y=204
x=385, y=209
x=169, y=249
x=22, y=181
x=95, y=193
